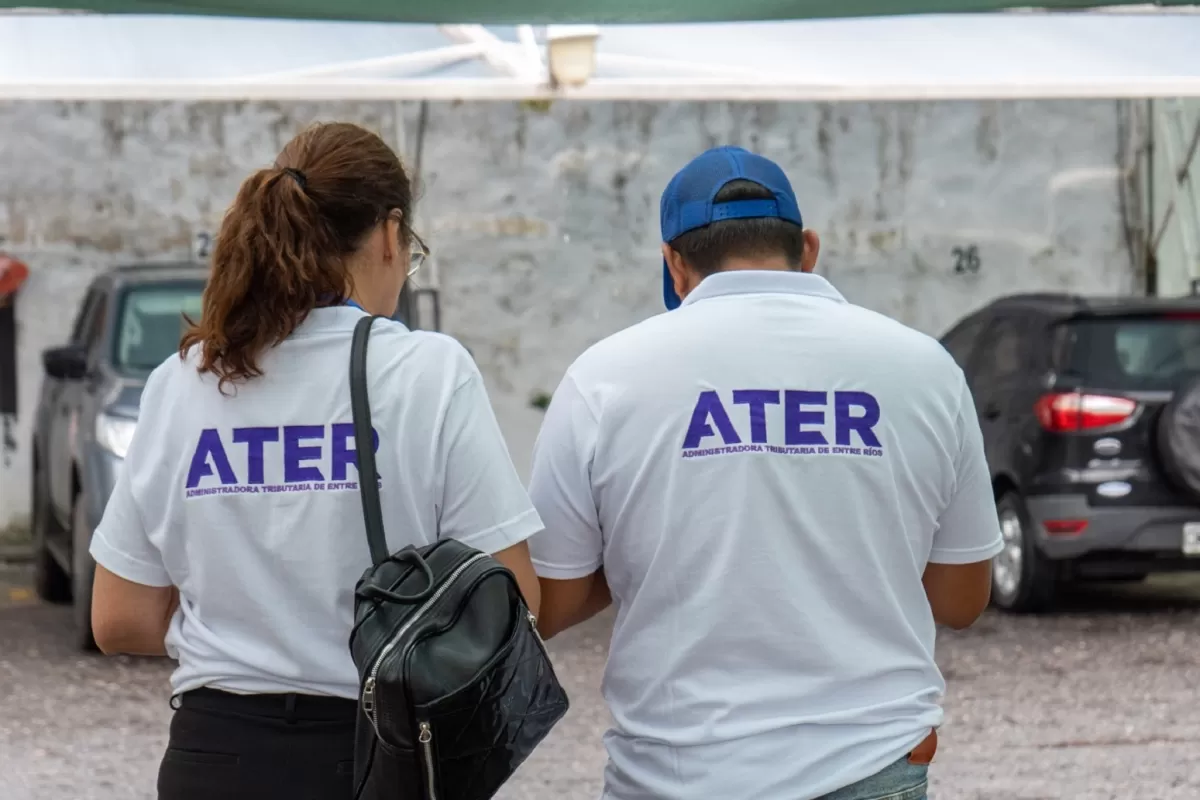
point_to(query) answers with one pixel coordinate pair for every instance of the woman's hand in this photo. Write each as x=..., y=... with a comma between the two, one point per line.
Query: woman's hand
x=131, y=618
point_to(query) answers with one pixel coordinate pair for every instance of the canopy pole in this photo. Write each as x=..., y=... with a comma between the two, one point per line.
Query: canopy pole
x=496, y=52
x=529, y=44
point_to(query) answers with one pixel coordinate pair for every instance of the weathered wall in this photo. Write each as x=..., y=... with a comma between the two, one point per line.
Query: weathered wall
x=544, y=220
x=1176, y=217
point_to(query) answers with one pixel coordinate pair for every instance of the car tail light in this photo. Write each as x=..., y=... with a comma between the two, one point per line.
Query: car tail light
x=1062, y=412
x=1064, y=527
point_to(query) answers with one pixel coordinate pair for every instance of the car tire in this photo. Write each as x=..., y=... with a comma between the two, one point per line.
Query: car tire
x=82, y=575
x=1023, y=579
x=50, y=580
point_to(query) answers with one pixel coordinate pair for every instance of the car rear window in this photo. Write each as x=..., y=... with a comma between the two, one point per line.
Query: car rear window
x=151, y=323
x=1132, y=353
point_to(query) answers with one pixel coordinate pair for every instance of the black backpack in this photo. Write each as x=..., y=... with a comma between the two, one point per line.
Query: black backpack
x=456, y=686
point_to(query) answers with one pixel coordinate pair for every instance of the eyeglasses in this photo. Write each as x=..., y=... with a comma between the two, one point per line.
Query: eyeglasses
x=417, y=253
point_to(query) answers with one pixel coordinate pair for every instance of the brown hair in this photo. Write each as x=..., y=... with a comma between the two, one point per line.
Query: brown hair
x=283, y=245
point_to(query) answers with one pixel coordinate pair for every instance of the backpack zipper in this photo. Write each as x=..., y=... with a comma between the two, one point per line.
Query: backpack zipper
x=533, y=622
x=425, y=737
x=368, y=692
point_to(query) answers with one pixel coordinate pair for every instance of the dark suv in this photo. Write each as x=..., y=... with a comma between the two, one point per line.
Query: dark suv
x=1090, y=410
x=131, y=320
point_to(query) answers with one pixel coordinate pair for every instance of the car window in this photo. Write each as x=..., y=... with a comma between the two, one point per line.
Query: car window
x=960, y=341
x=151, y=323
x=1061, y=339
x=83, y=320
x=1000, y=356
x=94, y=330
x=1134, y=352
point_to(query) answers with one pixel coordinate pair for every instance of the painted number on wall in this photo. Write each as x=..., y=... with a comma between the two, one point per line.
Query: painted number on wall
x=203, y=246
x=966, y=260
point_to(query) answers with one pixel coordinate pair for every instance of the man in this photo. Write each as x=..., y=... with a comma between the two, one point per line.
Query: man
x=784, y=492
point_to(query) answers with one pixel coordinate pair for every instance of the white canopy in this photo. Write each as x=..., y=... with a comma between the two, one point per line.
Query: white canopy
x=983, y=56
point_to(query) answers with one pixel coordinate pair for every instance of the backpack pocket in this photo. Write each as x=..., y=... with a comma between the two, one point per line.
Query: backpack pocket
x=467, y=750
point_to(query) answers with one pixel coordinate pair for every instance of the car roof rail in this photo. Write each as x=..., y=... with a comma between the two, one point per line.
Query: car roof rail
x=1057, y=299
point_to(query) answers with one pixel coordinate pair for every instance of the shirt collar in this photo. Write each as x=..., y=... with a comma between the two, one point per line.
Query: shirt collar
x=725, y=284
x=333, y=318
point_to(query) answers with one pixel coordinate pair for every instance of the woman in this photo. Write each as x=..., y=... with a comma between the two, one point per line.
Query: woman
x=234, y=537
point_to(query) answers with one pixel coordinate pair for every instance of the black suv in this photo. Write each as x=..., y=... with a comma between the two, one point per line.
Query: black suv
x=130, y=321
x=1090, y=409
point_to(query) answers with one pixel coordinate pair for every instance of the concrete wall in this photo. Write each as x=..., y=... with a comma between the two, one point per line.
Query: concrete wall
x=1175, y=212
x=544, y=219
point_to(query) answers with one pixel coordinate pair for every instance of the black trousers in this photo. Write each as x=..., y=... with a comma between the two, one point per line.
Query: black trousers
x=259, y=747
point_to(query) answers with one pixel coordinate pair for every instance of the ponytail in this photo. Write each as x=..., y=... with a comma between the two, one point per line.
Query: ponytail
x=283, y=246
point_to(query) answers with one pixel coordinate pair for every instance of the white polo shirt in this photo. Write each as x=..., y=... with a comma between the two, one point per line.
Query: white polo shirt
x=764, y=474
x=249, y=504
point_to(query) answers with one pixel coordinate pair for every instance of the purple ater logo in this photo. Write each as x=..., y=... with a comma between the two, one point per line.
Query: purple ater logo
x=301, y=450
x=808, y=420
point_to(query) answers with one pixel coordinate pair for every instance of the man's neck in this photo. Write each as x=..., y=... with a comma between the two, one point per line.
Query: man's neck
x=776, y=264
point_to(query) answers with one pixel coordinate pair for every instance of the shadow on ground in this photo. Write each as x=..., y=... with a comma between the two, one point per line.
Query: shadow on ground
x=1173, y=592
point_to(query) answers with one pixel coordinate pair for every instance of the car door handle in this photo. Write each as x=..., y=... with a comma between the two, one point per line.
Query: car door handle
x=991, y=412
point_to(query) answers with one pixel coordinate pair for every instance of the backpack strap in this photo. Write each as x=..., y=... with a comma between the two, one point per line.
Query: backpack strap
x=368, y=478
x=364, y=442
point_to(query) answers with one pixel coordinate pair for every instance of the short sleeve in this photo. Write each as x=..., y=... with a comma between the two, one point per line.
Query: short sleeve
x=484, y=503
x=121, y=545
x=968, y=530
x=561, y=486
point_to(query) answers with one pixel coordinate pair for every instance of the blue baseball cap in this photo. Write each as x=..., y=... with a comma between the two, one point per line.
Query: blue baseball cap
x=687, y=202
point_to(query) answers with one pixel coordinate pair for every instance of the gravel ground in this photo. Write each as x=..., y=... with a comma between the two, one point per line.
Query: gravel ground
x=1096, y=701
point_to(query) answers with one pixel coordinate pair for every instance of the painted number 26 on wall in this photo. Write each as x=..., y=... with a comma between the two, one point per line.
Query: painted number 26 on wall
x=966, y=260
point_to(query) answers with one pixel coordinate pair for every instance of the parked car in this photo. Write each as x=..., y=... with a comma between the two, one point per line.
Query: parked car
x=1090, y=410
x=130, y=321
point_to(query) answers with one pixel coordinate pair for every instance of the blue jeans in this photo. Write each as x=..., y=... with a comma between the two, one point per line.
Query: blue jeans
x=900, y=781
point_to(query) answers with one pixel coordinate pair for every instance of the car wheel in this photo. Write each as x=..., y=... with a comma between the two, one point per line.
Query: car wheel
x=50, y=580
x=1023, y=580
x=82, y=574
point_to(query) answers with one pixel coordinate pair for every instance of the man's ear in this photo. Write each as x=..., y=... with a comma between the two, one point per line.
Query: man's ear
x=680, y=275
x=812, y=249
